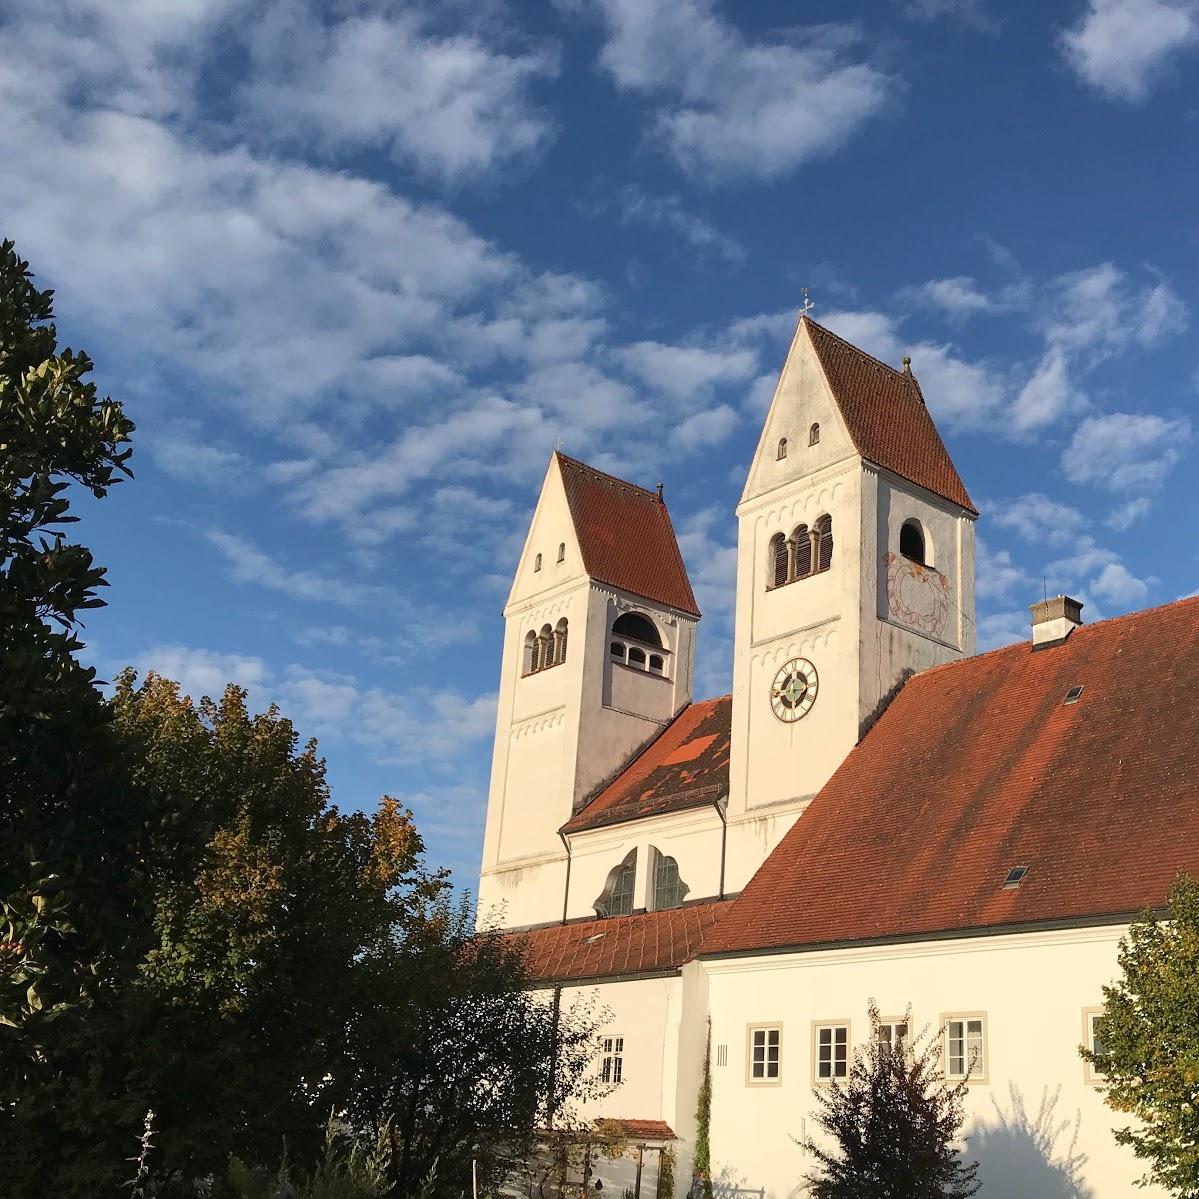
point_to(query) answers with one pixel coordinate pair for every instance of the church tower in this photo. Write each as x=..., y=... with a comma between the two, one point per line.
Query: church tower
x=855, y=568
x=599, y=656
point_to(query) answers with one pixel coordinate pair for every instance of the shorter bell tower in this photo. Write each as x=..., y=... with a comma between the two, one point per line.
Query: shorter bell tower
x=599, y=656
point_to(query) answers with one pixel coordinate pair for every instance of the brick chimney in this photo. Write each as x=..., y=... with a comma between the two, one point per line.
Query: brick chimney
x=1053, y=620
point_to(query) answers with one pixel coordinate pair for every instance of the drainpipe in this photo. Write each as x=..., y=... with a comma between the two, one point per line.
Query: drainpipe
x=566, y=889
x=724, y=838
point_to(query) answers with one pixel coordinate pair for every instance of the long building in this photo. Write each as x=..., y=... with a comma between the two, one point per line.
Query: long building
x=876, y=812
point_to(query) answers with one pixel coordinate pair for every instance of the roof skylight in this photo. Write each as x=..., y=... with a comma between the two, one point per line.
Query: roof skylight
x=1015, y=877
x=1073, y=694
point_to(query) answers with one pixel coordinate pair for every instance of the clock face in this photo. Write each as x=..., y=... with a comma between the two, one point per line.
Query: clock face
x=793, y=691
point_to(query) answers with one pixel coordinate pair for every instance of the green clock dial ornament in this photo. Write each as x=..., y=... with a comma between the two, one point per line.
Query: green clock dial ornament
x=793, y=691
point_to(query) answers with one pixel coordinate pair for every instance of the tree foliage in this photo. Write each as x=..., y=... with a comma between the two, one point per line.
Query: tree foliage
x=702, y=1166
x=187, y=922
x=1149, y=1033
x=68, y=887
x=893, y=1125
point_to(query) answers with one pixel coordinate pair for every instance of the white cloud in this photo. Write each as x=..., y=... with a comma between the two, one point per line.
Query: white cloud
x=731, y=107
x=957, y=297
x=1002, y=628
x=1067, y=572
x=1125, y=451
x=1048, y=396
x=249, y=564
x=682, y=371
x=1035, y=517
x=1116, y=584
x=203, y=672
x=1123, y=47
x=1126, y=515
x=453, y=107
x=668, y=212
x=706, y=428
x=995, y=574
x=971, y=13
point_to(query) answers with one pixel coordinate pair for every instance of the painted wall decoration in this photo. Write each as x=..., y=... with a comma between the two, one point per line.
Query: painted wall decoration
x=917, y=595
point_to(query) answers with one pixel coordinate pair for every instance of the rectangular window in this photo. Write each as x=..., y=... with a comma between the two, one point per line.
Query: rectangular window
x=1091, y=1016
x=612, y=1064
x=765, y=1053
x=831, y=1057
x=965, y=1047
x=893, y=1034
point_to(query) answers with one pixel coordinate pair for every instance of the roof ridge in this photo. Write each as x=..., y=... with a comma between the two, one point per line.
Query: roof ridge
x=1083, y=629
x=901, y=374
x=603, y=474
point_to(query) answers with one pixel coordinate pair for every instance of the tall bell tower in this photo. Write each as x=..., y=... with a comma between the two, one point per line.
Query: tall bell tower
x=855, y=568
x=599, y=656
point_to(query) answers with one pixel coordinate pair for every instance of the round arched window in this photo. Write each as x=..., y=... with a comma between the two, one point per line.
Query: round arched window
x=911, y=542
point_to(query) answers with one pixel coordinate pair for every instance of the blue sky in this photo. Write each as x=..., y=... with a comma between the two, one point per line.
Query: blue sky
x=354, y=268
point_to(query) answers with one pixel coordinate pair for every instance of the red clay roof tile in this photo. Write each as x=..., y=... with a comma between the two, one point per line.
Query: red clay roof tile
x=886, y=416
x=625, y=536
x=980, y=766
x=685, y=766
x=640, y=1130
x=646, y=943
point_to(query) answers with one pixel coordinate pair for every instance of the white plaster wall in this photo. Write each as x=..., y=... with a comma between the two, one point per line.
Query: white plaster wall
x=692, y=838
x=912, y=617
x=527, y=893
x=1034, y=1123
x=664, y=1022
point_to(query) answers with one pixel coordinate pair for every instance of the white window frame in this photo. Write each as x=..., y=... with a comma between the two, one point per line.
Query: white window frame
x=764, y=1080
x=1094, y=1077
x=979, y=1075
x=818, y=1026
x=612, y=1058
x=891, y=1024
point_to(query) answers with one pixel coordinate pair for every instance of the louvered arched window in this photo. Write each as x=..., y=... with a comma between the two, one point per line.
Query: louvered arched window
x=782, y=448
x=777, y=561
x=822, y=543
x=560, y=642
x=530, y=653
x=801, y=540
x=814, y=435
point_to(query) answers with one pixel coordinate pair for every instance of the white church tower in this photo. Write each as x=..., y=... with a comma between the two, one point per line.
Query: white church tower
x=599, y=655
x=855, y=569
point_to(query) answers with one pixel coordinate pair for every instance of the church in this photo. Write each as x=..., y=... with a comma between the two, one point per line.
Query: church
x=876, y=812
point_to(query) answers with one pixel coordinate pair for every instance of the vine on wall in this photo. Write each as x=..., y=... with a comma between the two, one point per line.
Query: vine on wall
x=702, y=1181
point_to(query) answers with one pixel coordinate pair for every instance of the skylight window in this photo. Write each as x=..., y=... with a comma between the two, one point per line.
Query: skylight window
x=1015, y=877
x=1073, y=694
x=591, y=940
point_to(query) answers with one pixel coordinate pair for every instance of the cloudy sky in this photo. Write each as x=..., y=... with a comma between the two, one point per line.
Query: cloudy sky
x=355, y=267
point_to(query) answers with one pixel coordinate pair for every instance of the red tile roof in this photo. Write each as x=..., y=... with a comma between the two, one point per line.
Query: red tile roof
x=685, y=766
x=886, y=416
x=980, y=766
x=640, y=1130
x=625, y=536
x=647, y=943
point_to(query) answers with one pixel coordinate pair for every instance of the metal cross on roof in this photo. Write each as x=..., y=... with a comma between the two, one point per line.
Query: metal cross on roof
x=807, y=304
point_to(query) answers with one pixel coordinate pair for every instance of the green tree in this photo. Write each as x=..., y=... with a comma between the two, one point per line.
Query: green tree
x=1149, y=1037
x=702, y=1167
x=893, y=1125
x=68, y=894
x=453, y=1052
x=264, y=902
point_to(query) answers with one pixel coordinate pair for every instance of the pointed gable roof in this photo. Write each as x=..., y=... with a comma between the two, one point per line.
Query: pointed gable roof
x=886, y=416
x=685, y=766
x=625, y=536
x=980, y=766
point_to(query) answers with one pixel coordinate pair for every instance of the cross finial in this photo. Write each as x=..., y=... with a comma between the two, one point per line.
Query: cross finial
x=807, y=303
x=558, y=444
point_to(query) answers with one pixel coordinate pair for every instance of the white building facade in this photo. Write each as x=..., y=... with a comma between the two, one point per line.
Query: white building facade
x=875, y=813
